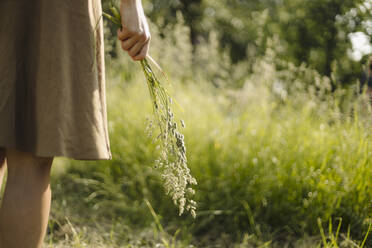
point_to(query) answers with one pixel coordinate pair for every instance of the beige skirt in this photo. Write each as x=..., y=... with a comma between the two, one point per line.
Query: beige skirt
x=52, y=78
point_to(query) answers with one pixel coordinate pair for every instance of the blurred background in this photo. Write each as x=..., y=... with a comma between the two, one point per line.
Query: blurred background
x=277, y=105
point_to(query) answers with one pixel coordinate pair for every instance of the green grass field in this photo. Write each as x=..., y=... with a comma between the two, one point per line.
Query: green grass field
x=280, y=162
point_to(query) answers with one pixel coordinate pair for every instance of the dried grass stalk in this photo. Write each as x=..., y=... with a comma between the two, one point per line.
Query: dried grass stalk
x=172, y=162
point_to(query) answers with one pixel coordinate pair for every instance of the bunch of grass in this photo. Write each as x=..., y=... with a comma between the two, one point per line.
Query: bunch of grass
x=172, y=162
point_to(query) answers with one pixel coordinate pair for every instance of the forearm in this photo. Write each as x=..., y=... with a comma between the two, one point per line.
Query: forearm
x=131, y=4
x=135, y=34
x=126, y=2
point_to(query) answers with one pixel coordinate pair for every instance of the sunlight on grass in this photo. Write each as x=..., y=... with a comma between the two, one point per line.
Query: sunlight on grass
x=281, y=160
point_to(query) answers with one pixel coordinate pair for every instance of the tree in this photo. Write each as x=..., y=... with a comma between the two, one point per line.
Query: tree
x=314, y=32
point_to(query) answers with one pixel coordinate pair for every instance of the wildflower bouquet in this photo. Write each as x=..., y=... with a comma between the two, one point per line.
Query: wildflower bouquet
x=172, y=162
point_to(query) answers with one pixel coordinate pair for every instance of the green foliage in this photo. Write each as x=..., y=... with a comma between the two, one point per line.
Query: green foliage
x=312, y=32
x=270, y=158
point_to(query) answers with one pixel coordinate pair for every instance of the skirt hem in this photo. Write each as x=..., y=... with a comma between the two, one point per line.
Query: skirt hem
x=59, y=154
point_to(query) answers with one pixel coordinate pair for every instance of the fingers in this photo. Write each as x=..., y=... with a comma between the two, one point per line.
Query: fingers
x=123, y=34
x=127, y=44
x=137, y=45
x=143, y=53
x=136, y=49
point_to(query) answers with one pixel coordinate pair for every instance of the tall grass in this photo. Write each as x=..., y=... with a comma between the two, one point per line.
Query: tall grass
x=275, y=160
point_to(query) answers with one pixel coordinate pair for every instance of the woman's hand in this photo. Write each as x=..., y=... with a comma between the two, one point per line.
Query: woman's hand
x=135, y=33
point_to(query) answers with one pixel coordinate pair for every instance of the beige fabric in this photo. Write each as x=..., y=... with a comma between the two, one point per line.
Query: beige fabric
x=52, y=78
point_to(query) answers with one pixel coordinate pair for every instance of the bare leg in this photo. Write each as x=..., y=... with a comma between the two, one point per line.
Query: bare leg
x=25, y=209
x=2, y=168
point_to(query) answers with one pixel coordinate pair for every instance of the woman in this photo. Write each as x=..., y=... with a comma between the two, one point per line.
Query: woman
x=52, y=100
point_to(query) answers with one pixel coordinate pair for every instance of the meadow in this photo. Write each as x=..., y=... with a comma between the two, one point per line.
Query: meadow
x=283, y=160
